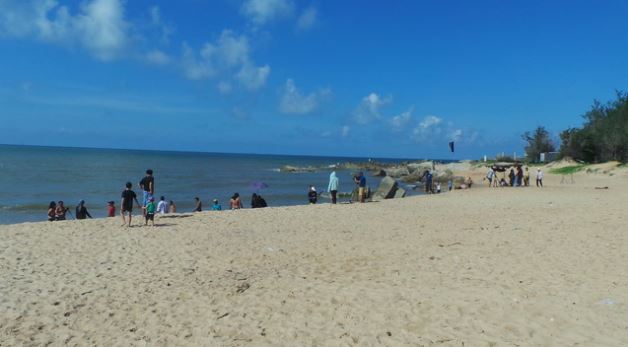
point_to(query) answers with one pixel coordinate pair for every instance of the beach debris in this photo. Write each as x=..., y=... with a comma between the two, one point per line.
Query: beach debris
x=242, y=287
x=601, y=187
x=451, y=244
x=222, y=316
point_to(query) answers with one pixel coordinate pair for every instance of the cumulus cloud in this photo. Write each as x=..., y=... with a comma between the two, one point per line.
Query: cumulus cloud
x=369, y=109
x=307, y=19
x=400, y=121
x=432, y=129
x=229, y=55
x=195, y=67
x=253, y=77
x=293, y=102
x=429, y=127
x=261, y=12
x=99, y=25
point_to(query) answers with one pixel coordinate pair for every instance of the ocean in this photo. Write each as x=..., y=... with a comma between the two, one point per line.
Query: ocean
x=32, y=176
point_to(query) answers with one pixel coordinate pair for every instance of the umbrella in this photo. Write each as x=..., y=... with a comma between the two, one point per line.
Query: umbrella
x=256, y=186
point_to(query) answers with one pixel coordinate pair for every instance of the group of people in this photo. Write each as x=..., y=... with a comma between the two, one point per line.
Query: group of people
x=57, y=211
x=129, y=199
x=517, y=177
x=332, y=188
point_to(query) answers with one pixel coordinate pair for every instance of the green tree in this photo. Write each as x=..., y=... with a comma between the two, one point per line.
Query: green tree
x=539, y=141
x=604, y=135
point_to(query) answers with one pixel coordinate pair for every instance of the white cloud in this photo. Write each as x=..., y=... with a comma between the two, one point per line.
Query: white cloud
x=307, y=19
x=293, y=102
x=99, y=26
x=369, y=109
x=344, y=131
x=157, y=57
x=228, y=56
x=399, y=122
x=261, y=12
x=429, y=122
x=455, y=134
x=193, y=67
x=230, y=50
x=428, y=128
x=253, y=77
x=435, y=129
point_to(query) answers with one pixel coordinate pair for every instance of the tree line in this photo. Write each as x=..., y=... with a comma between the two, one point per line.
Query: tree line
x=602, y=137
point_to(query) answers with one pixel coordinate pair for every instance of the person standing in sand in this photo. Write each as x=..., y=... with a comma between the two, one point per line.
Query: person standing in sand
x=519, y=177
x=126, y=203
x=147, y=184
x=360, y=180
x=526, y=177
x=539, y=178
x=490, y=175
x=150, y=212
x=172, y=208
x=332, y=188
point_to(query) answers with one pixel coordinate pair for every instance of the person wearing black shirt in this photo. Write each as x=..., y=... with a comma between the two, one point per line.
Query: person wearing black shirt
x=147, y=184
x=81, y=211
x=126, y=204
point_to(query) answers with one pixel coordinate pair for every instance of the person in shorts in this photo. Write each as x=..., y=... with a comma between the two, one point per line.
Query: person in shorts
x=147, y=184
x=126, y=204
x=150, y=212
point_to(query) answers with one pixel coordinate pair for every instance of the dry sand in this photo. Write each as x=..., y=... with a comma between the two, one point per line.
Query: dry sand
x=482, y=267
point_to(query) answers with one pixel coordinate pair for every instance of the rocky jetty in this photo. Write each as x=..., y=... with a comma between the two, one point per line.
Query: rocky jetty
x=411, y=173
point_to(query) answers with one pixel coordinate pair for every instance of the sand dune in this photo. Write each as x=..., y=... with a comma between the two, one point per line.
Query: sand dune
x=482, y=267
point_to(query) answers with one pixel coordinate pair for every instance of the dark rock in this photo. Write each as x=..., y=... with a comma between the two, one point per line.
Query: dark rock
x=379, y=173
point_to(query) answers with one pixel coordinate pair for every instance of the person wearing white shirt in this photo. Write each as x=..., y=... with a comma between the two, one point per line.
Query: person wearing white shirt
x=539, y=178
x=162, y=206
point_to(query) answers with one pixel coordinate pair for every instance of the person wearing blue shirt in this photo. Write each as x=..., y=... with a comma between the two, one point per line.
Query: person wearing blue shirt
x=360, y=180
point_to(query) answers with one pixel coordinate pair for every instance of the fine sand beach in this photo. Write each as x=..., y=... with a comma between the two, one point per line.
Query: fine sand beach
x=479, y=267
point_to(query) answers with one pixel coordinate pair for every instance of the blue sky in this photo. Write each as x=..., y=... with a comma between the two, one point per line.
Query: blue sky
x=358, y=78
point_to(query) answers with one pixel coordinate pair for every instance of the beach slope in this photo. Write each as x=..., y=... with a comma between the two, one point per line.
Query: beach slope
x=481, y=267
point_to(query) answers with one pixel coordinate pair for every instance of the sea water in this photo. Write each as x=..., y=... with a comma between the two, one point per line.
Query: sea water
x=32, y=176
